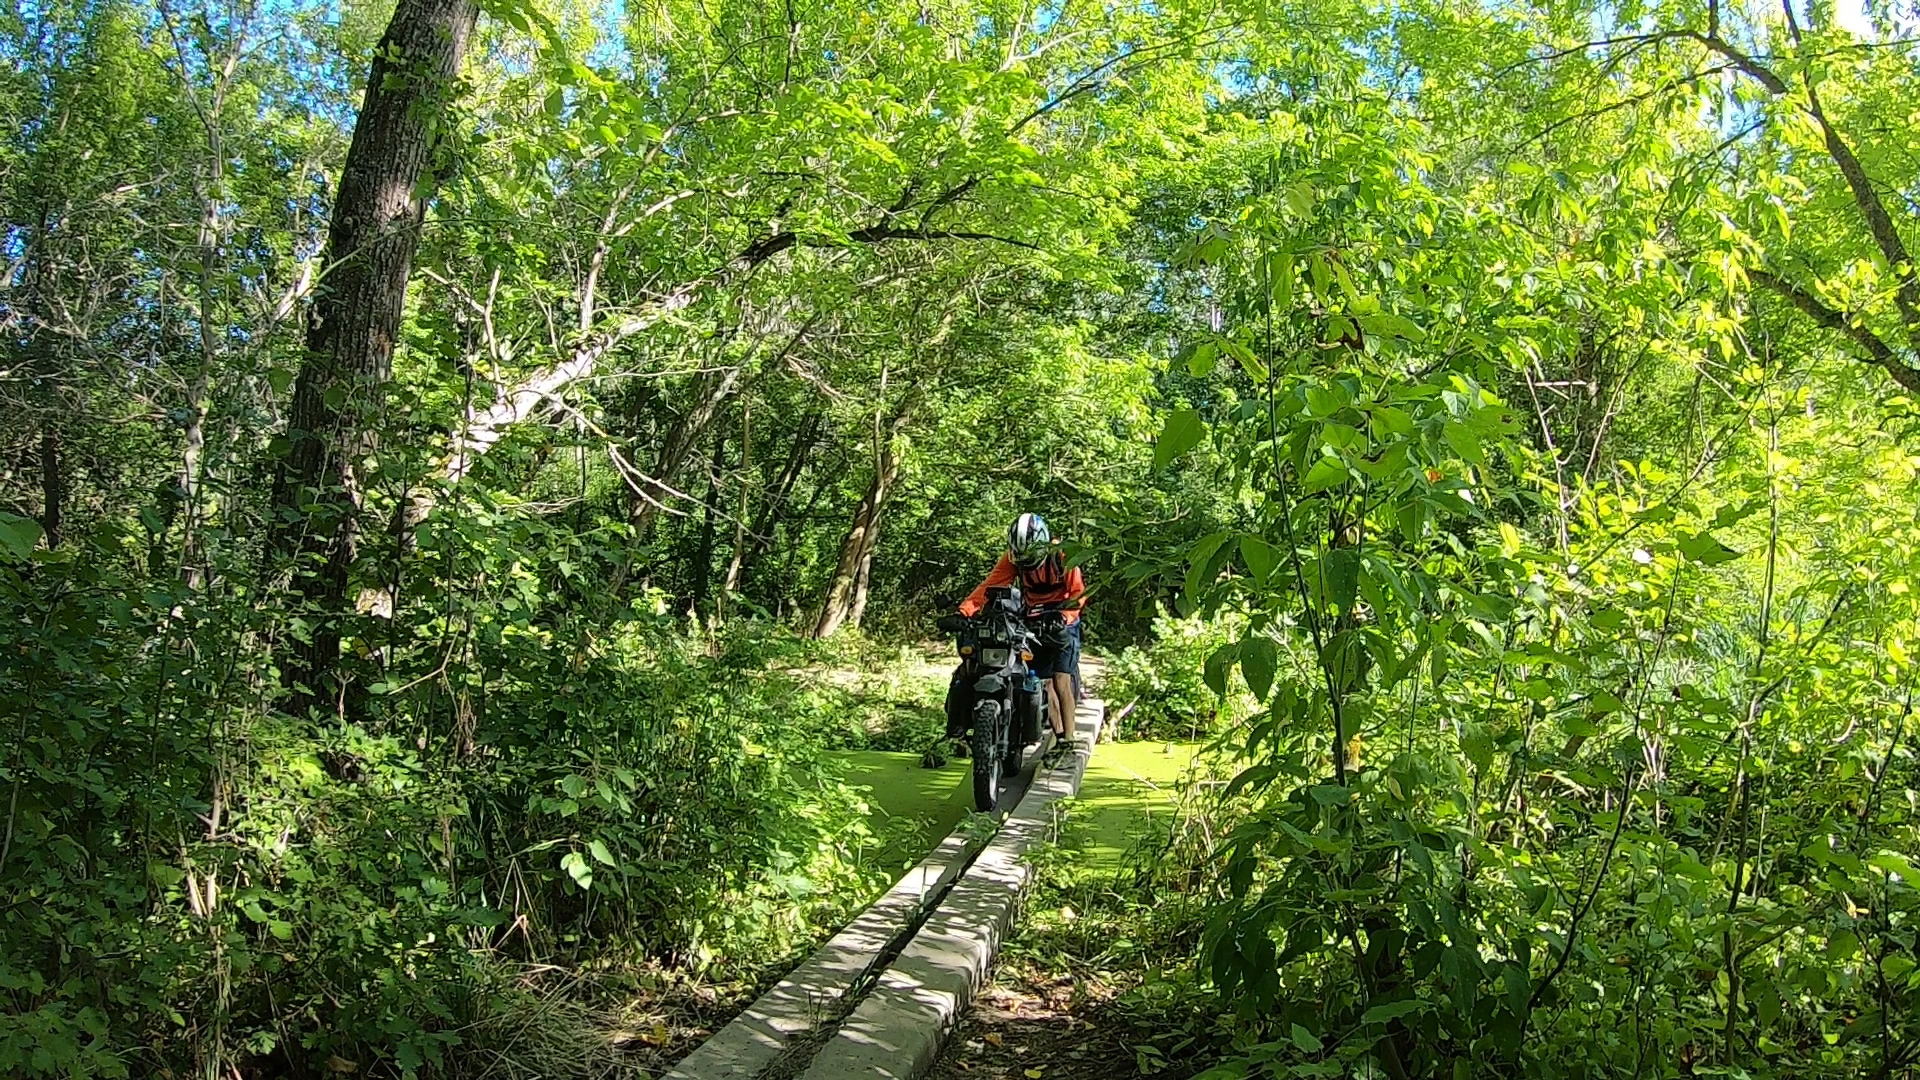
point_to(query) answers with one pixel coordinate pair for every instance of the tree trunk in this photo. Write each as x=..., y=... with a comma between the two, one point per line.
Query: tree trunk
x=845, y=590
x=685, y=433
x=355, y=320
x=701, y=572
x=778, y=493
x=739, y=548
x=863, y=580
x=53, y=486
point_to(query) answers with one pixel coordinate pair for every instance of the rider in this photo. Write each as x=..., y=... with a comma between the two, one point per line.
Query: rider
x=1032, y=560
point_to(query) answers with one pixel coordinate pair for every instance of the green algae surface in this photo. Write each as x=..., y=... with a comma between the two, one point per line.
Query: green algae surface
x=1129, y=789
x=909, y=808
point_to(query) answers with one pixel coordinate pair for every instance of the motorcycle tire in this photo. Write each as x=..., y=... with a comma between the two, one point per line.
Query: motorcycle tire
x=987, y=760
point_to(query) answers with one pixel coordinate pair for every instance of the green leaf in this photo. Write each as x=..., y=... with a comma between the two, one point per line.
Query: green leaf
x=1201, y=361
x=578, y=869
x=19, y=535
x=1341, y=568
x=1262, y=558
x=1392, y=421
x=1707, y=550
x=1392, y=1010
x=600, y=853
x=556, y=103
x=1326, y=473
x=1322, y=277
x=1307, y=1041
x=1249, y=361
x=1330, y=794
x=1219, y=663
x=1464, y=442
x=1258, y=661
x=1280, y=272
x=1889, y=862
x=1324, y=401
x=1182, y=432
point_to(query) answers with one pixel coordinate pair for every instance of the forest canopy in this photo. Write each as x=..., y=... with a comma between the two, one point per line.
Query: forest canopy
x=430, y=431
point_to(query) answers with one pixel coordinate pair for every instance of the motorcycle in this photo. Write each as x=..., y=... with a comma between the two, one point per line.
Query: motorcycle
x=1005, y=703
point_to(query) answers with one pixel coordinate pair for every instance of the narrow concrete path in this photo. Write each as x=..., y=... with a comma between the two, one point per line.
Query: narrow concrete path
x=897, y=1031
x=880, y=997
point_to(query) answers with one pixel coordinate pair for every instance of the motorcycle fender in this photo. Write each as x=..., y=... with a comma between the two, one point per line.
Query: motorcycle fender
x=990, y=684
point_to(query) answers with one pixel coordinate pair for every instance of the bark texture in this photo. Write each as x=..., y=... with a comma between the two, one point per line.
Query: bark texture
x=53, y=487
x=354, y=322
x=846, y=598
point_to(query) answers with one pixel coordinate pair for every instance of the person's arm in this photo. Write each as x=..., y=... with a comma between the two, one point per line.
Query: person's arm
x=1076, y=588
x=1001, y=574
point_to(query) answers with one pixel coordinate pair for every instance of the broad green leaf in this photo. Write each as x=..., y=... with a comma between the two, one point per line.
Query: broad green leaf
x=1248, y=360
x=1305, y=1040
x=600, y=853
x=1280, y=272
x=1258, y=661
x=1464, y=442
x=1201, y=360
x=19, y=535
x=1707, y=550
x=1326, y=473
x=1219, y=664
x=1894, y=863
x=1341, y=568
x=1330, y=794
x=1581, y=726
x=1262, y=558
x=577, y=868
x=1392, y=421
x=1392, y=1010
x=1324, y=401
x=1182, y=432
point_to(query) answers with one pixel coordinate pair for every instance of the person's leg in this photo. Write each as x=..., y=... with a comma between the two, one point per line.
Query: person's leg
x=1062, y=686
x=1074, y=642
x=1047, y=667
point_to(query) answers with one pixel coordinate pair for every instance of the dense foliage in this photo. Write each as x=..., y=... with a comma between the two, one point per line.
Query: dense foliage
x=1492, y=423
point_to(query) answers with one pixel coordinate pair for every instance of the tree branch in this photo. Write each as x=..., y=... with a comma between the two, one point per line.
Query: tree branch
x=1877, y=351
x=1879, y=223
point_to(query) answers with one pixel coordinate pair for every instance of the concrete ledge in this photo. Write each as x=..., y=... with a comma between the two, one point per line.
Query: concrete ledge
x=896, y=1033
x=819, y=990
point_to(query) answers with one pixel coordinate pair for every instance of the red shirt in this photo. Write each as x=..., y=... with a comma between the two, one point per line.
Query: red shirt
x=1049, y=583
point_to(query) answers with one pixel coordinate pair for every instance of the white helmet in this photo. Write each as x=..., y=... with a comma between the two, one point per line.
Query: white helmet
x=1029, y=541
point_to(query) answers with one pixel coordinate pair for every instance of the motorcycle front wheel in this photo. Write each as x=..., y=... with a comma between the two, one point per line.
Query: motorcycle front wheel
x=988, y=726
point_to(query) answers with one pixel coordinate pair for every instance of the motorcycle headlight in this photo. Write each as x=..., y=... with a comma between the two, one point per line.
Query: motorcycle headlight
x=993, y=657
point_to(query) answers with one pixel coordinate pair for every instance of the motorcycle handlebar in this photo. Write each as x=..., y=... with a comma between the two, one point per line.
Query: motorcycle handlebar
x=954, y=624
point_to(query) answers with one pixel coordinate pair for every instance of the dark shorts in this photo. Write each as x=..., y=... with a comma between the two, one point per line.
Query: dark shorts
x=1064, y=658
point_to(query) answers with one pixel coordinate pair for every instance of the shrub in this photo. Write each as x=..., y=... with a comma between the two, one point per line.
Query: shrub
x=1163, y=684
x=194, y=879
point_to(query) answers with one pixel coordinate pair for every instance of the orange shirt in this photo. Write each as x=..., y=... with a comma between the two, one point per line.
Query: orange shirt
x=1044, y=584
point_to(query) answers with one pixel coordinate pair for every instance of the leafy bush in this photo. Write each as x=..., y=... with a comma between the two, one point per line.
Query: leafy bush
x=1163, y=684
x=192, y=877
